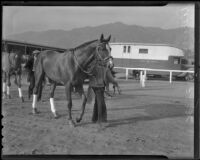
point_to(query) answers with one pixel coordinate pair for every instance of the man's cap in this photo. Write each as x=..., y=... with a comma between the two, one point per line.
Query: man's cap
x=36, y=51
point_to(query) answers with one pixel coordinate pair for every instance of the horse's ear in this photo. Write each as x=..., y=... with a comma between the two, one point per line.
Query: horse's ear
x=102, y=37
x=108, y=39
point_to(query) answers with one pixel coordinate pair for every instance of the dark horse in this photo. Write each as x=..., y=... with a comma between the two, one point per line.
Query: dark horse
x=70, y=68
x=11, y=65
x=30, y=77
x=109, y=78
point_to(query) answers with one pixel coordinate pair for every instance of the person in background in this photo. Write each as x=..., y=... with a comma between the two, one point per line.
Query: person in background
x=35, y=54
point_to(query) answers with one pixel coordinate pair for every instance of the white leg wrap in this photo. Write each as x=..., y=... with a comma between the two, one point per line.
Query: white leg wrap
x=53, y=109
x=4, y=87
x=34, y=101
x=20, y=92
x=8, y=90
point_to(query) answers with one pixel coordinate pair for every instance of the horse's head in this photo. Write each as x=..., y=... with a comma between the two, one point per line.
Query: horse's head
x=104, y=49
x=15, y=59
x=110, y=63
x=27, y=61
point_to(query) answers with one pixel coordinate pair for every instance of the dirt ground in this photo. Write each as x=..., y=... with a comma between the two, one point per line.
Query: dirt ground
x=155, y=120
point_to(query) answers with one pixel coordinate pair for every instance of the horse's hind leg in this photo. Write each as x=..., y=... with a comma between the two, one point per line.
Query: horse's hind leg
x=19, y=87
x=31, y=86
x=53, y=109
x=38, y=82
x=69, y=103
x=84, y=100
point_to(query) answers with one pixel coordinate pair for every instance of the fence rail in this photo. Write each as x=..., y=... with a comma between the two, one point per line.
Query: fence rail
x=143, y=76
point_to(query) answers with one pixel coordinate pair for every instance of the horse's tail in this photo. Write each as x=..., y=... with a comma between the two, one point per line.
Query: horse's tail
x=38, y=64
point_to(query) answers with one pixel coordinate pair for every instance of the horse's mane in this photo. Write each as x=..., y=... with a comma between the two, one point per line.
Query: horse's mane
x=83, y=45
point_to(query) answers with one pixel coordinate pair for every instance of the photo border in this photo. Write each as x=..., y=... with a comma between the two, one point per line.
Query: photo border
x=124, y=3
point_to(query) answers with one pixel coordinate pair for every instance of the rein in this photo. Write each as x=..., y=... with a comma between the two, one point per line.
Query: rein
x=76, y=60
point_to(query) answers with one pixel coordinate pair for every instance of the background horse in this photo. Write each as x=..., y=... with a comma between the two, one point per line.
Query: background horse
x=30, y=76
x=70, y=68
x=109, y=77
x=11, y=65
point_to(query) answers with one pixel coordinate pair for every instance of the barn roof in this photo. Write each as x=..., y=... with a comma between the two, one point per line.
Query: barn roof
x=30, y=44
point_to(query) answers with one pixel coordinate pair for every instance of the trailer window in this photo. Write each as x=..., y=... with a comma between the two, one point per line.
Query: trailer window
x=124, y=50
x=143, y=51
x=129, y=49
x=177, y=60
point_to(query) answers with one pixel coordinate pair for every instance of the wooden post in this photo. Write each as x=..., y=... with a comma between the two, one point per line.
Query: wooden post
x=143, y=78
x=170, y=77
x=140, y=77
x=126, y=73
x=25, y=50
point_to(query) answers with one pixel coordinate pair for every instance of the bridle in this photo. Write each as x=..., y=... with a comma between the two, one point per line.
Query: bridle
x=100, y=61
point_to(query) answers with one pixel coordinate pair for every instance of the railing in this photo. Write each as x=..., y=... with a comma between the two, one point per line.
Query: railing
x=143, y=75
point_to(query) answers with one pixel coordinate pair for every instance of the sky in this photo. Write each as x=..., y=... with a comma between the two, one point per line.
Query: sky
x=18, y=19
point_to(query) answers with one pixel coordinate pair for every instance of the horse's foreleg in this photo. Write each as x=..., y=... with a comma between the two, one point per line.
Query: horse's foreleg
x=4, y=85
x=84, y=100
x=8, y=86
x=19, y=87
x=31, y=85
x=53, y=109
x=118, y=88
x=107, y=91
x=107, y=87
x=69, y=103
x=115, y=84
x=15, y=80
x=114, y=89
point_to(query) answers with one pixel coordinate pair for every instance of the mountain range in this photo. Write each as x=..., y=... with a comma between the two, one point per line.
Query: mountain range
x=182, y=38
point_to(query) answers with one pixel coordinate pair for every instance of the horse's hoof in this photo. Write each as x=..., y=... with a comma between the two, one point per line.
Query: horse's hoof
x=71, y=123
x=78, y=120
x=22, y=98
x=56, y=116
x=4, y=97
x=35, y=111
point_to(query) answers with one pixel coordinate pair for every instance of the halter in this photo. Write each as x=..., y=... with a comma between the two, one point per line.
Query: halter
x=101, y=60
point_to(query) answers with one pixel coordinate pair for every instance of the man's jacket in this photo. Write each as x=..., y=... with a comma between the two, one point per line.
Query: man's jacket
x=98, y=78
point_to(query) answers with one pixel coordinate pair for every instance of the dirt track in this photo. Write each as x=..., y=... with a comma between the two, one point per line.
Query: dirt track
x=152, y=120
